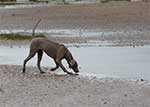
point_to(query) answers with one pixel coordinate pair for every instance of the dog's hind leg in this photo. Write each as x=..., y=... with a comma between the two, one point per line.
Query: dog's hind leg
x=31, y=54
x=57, y=66
x=39, y=54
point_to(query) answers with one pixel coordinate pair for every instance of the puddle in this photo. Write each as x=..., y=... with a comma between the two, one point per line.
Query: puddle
x=119, y=62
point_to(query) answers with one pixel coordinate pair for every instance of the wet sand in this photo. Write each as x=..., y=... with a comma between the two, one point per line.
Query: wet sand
x=100, y=41
x=37, y=90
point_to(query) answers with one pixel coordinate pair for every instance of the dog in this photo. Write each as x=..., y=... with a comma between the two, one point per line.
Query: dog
x=54, y=50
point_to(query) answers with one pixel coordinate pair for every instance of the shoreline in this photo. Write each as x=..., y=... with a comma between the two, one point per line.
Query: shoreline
x=80, y=42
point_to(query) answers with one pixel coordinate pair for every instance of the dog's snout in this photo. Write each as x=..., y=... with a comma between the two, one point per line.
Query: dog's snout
x=76, y=70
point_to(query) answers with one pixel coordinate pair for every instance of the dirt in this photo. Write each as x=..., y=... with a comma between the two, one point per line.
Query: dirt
x=111, y=16
x=37, y=90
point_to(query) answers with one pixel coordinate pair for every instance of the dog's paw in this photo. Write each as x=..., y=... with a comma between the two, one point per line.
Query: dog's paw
x=70, y=73
x=52, y=69
x=42, y=72
x=76, y=74
x=22, y=72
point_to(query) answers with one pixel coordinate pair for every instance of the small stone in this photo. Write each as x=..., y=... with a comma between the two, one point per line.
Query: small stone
x=142, y=79
x=35, y=73
x=125, y=95
x=1, y=90
x=105, y=102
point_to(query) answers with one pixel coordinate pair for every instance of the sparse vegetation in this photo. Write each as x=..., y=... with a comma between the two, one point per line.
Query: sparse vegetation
x=7, y=0
x=19, y=36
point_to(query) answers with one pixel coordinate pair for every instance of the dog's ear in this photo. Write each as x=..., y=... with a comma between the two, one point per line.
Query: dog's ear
x=72, y=62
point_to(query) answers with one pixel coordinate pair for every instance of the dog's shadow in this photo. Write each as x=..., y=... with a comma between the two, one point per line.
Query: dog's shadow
x=49, y=75
x=59, y=75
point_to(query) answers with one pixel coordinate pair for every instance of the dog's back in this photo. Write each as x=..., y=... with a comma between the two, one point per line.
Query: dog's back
x=46, y=45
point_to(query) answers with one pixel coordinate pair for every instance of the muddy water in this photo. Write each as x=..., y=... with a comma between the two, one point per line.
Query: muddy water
x=119, y=62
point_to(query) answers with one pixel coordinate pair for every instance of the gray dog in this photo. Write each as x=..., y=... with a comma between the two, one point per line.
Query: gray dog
x=53, y=50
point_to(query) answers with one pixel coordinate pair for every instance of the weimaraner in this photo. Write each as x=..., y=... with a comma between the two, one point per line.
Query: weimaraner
x=54, y=50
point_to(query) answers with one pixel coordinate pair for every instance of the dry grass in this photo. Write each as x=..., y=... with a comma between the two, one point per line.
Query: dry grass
x=18, y=36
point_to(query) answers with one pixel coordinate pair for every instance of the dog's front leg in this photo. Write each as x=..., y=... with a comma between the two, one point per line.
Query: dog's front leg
x=63, y=68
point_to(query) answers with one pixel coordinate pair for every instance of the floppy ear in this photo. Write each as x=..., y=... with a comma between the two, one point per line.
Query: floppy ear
x=72, y=62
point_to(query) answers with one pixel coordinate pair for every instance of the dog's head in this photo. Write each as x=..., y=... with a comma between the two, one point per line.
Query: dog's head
x=74, y=65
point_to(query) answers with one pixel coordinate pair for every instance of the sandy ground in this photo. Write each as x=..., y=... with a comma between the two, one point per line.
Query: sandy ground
x=53, y=90
x=112, y=16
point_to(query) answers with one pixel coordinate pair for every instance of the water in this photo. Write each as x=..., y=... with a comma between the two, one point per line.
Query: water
x=119, y=62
